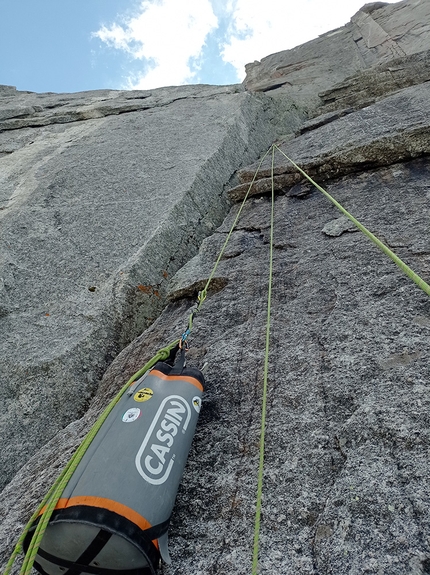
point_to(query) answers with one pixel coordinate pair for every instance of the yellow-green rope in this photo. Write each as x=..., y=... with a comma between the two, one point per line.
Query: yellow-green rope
x=400, y=263
x=51, y=498
x=265, y=377
x=405, y=268
x=203, y=293
x=47, y=505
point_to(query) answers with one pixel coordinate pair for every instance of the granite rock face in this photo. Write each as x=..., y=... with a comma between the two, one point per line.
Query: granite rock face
x=331, y=145
x=347, y=432
x=104, y=195
x=367, y=86
x=377, y=35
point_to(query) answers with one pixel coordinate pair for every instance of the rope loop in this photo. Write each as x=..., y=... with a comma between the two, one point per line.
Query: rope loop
x=164, y=353
x=201, y=297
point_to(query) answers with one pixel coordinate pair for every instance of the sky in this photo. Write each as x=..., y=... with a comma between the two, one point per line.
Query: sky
x=77, y=45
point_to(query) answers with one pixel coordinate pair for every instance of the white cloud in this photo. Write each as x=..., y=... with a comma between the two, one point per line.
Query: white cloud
x=168, y=36
x=256, y=31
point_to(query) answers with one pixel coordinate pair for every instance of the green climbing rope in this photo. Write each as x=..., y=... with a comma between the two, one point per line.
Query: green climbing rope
x=405, y=268
x=47, y=505
x=400, y=263
x=203, y=294
x=265, y=378
x=49, y=502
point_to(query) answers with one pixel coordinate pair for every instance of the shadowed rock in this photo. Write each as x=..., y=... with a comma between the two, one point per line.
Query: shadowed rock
x=392, y=130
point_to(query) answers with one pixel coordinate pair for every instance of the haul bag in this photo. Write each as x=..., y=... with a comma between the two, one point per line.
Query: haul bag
x=114, y=513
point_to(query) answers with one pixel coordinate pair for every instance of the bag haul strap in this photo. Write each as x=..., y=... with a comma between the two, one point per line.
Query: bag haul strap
x=157, y=531
x=91, y=551
x=77, y=568
x=81, y=565
x=110, y=523
x=178, y=366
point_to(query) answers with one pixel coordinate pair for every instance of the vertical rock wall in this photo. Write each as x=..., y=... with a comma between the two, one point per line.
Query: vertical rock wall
x=346, y=462
x=104, y=196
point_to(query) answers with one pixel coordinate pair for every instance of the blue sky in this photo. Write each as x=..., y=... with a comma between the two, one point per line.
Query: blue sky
x=75, y=45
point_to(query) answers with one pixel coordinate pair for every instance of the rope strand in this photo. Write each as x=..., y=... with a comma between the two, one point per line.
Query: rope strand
x=203, y=293
x=265, y=378
x=47, y=505
x=400, y=263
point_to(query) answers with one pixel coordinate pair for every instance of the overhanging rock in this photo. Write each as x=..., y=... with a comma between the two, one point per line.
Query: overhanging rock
x=392, y=130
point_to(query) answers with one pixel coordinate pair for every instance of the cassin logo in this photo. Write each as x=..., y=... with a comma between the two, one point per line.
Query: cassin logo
x=156, y=455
